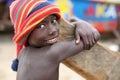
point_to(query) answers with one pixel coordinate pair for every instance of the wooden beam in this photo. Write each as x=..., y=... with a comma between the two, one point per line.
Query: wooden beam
x=99, y=63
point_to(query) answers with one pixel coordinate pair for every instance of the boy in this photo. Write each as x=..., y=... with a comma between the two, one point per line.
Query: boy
x=36, y=24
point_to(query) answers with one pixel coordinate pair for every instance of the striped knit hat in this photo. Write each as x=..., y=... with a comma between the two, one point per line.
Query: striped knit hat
x=26, y=14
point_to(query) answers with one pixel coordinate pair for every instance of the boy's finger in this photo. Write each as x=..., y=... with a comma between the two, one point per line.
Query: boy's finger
x=86, y=42
x=77, y=38
x=96, y=36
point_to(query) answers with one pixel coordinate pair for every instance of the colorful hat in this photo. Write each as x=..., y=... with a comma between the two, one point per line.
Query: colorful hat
x=26, y=14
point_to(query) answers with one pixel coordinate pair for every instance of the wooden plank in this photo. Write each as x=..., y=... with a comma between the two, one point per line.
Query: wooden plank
x=99, y=63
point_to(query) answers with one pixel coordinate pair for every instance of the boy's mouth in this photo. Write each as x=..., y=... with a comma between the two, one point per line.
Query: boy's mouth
x=51, y=41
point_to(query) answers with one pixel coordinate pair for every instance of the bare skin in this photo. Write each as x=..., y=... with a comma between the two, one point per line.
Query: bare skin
x=41, y=59
x=85, y=32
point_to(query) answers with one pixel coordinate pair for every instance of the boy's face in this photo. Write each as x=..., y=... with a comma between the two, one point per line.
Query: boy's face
x=45, y=33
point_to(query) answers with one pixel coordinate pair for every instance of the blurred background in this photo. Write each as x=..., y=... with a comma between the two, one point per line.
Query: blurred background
x=104, y=15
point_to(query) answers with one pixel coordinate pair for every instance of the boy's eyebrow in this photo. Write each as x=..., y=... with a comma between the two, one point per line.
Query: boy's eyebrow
x=44, y=21
x=53, y=17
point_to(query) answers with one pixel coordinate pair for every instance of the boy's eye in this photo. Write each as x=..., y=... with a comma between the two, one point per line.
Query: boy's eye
x=54, y=21
x=41, y=26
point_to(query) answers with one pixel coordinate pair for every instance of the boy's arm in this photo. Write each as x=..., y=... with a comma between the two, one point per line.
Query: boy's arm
x=84, y=31
x=65, y=49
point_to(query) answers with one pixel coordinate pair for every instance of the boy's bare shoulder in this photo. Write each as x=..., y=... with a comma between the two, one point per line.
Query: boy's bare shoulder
x=22, y=52
x=32, y=51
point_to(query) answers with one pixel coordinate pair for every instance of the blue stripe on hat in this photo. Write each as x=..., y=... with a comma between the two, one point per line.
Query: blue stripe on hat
x=39, y=6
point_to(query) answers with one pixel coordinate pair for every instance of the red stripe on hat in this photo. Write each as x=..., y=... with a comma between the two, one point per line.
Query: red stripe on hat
x=18, y=15
x=51, y=11
x=15, y=10
x=28, y=9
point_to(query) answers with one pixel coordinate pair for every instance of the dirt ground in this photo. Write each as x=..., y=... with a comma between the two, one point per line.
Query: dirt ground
x=7, y=54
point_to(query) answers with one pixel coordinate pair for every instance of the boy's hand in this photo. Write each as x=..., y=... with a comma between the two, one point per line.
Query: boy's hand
x=85, y=32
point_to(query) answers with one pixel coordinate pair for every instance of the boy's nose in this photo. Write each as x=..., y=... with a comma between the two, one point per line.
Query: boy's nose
x=53, y=30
